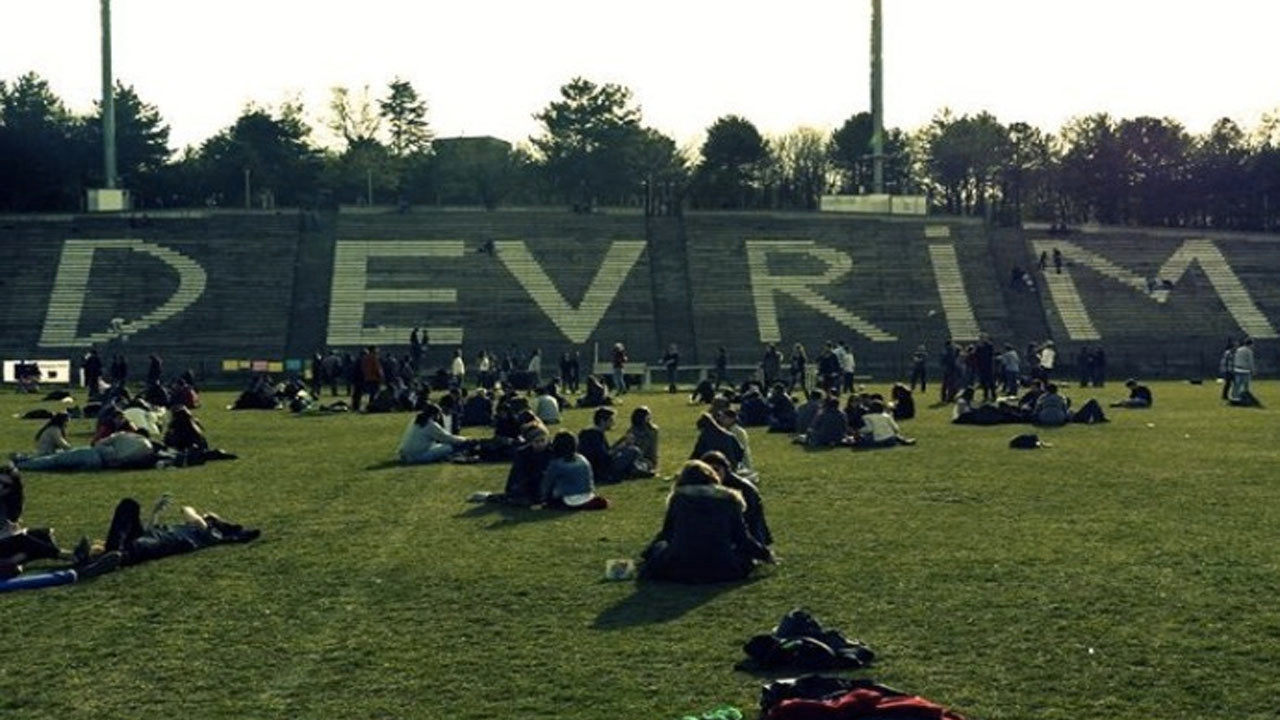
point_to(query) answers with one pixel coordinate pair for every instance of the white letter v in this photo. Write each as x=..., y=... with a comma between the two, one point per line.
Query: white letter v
x=578, y=323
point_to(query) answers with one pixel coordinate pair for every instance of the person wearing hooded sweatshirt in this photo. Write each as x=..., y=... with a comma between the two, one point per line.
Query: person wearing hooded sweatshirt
x=704, y=536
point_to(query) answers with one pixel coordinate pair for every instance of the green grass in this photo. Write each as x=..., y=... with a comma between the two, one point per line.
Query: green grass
x=1128, y=572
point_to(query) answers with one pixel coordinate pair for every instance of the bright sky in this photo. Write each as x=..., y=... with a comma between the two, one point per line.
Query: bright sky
x=485, y=66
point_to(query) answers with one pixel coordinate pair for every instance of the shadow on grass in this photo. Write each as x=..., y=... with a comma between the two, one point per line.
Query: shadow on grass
x=386, y=465
x=659, y=602
x=509, y=516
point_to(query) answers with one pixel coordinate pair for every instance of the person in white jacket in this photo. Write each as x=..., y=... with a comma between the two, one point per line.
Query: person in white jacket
x=426, y=440
x=1242, y=366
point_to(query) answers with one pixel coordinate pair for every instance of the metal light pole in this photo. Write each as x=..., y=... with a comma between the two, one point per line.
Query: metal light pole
x=877, y=103
x=108, y=102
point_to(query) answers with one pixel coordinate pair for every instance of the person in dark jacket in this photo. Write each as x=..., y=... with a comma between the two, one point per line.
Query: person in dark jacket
x=830, y=428
x=1139, y=396
x=92, y=366
x=704, y=537
x=782, y=410
x=610, y=463
x=754, y=514
x=712, y=436
x=528, y=467
x=753, y=411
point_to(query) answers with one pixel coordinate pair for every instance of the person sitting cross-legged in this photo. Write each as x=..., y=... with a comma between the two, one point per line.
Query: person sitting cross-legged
x=704, y=536
x=567, y=483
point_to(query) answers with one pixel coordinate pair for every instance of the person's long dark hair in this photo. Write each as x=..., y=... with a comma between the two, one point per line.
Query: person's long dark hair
x=59, y=420
x=430, y=411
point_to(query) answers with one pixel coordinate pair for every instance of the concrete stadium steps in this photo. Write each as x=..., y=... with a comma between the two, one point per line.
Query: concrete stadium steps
x=29, y=252
x=149, y=274
x=199, y=287
x=552, y=281
x=1224, y=286
x=871, y=283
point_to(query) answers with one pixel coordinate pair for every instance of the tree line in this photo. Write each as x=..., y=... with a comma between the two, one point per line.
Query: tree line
x=594, y=150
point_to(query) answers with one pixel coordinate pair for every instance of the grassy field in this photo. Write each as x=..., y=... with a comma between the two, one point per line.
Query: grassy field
x=1128, y=572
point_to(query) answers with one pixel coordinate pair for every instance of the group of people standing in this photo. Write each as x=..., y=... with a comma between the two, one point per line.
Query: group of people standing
x=1236, y=368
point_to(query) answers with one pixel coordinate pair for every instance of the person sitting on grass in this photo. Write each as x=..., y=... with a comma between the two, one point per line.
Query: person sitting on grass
x=186, y=437
x=528, y=465
x=754, y=514
x=703, y=393
x=713, y=436
x=704, y=536
x=1051, y=409
x=20, y=545
x=426, y=441
x=609, y=463
x=111, y=419
x=567, y=483
x=546, y=406
x=904, y=403
x=728, y=419
x=806, y=413
x=830, y=428
x=879, y=429
x=597, y=395
x=1139, y=396
x=753, y=411
x=643, y=435
x=52, y=438
x=782, y=410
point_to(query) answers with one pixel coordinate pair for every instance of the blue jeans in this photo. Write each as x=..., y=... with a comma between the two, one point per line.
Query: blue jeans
x=435, y=454
x=1240, y=384
x=84, y=458
x=619, y=380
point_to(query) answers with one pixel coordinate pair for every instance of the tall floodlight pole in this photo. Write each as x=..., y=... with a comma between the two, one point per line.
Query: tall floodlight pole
x=877, y=103
x=108, y=102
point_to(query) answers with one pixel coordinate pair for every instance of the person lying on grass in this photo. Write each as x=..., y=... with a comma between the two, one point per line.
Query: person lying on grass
x=567, y=483
x=704, y=536
x=119, y=450
x=137, y=542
